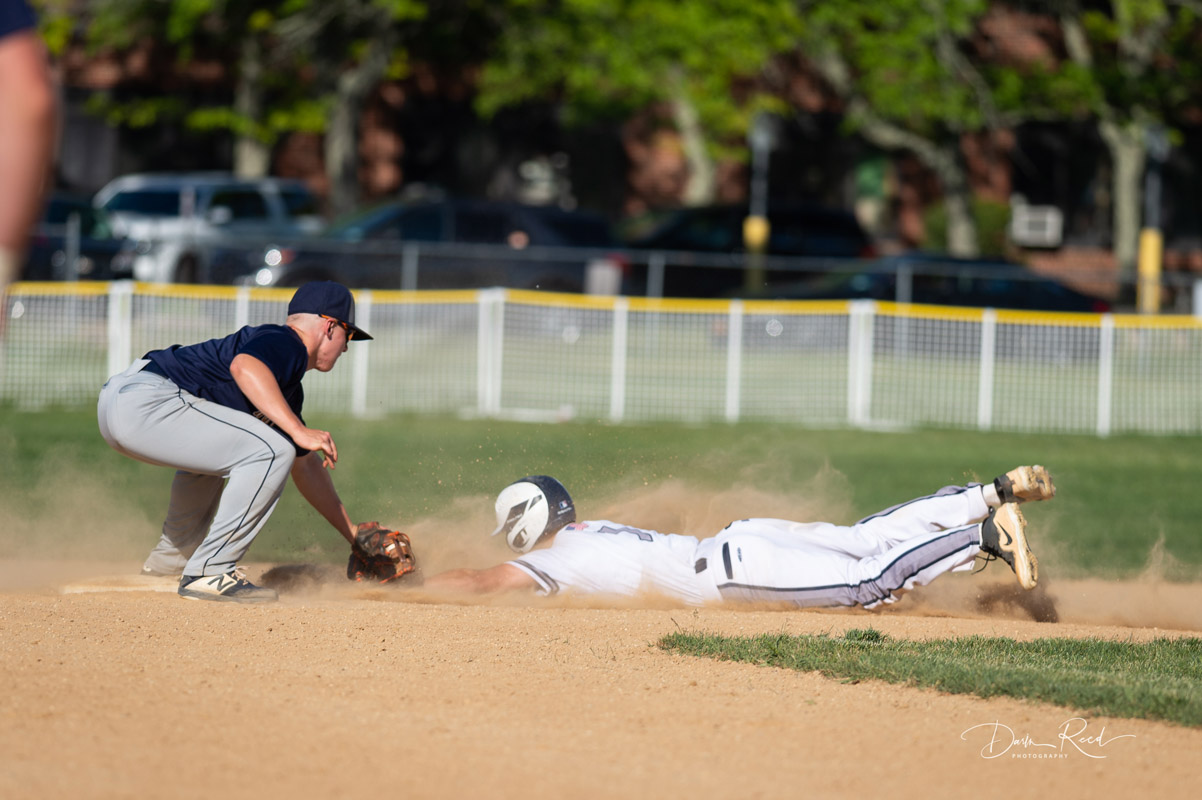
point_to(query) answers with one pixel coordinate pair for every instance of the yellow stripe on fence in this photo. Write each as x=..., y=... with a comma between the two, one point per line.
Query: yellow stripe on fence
x=642, y=304
x=1069, y=319
x=1154, y=322
x=424, y=296
x=679, y=305
x=191, y=291
x=530, y=297
x=1078, y=319
x=59, y=289
x=920, y=311
x=796, y=306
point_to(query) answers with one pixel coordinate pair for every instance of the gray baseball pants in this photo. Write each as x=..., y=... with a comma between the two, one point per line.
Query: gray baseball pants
x=231, y=468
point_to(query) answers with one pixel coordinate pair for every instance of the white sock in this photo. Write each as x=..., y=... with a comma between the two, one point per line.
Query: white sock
x=989, y=492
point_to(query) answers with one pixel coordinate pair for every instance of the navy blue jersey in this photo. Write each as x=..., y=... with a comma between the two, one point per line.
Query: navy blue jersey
x=15, y=15
x=204, y=369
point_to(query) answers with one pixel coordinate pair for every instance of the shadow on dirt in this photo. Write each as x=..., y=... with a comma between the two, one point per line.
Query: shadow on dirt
x=1036, y=603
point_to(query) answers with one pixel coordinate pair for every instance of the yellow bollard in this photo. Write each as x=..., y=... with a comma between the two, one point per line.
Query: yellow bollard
x=1151, y=247
x=755, y=240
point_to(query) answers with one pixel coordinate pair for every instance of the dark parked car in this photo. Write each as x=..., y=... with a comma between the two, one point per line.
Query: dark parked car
x=460, y=243
x=101, y=254
x=943, y=280
x=704, y=251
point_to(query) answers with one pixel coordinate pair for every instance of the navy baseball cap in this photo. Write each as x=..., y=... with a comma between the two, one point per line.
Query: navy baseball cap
x=328, y=299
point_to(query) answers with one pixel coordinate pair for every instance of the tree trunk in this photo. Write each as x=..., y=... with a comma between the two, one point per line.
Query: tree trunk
x=944, y=158
x=339, y=149
x=342, y=131
x=251, y=154
x=701, y=187
x=962, y=240
x=1127, y=145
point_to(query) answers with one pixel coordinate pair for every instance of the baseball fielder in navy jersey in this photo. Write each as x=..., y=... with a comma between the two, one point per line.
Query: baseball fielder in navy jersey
x=227, y=415
x=804, y=564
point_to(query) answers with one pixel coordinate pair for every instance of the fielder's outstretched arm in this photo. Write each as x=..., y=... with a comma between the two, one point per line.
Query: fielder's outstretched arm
x=317, y=486
x=501, y=578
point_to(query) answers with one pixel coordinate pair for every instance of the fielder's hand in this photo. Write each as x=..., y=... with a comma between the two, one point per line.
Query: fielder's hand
x=381, y=555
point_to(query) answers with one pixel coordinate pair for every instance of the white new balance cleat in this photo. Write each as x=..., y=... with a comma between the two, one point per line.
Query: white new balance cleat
x=1025, y=483
x=1004, y=536
x=230, y=587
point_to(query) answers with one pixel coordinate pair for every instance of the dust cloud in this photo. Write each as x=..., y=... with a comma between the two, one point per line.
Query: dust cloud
x=103, y=533
x=76, y=514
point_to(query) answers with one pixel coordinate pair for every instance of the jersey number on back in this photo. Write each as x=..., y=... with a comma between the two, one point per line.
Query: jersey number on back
x=642, y=534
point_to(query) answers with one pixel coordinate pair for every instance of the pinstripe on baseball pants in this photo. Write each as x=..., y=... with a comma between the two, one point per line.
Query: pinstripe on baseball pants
x=820, y=564
x=230, y=468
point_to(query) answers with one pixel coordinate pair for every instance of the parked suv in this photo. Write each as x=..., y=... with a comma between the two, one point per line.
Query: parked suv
x=452, y=243
x=180, y=217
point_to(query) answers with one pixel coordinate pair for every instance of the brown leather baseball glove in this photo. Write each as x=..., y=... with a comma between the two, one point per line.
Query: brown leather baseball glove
x=381, y=555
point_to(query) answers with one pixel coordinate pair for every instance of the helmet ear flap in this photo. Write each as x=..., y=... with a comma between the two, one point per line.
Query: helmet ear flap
x=531, y=509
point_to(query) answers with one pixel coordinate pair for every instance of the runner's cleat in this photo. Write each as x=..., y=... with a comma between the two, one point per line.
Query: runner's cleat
x=1003, y=535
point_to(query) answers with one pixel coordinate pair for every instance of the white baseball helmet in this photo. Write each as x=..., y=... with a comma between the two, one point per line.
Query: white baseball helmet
x=532, y=508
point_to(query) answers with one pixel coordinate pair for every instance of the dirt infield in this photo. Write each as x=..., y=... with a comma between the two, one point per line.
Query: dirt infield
x=344, y=692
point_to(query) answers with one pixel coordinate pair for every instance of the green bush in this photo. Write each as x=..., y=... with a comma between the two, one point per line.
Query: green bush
x=992, y=219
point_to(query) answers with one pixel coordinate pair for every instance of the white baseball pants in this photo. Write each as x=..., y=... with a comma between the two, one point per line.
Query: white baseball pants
x=820, y=564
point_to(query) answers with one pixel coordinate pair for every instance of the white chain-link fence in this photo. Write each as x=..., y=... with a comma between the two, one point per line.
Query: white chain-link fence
x=537, y=356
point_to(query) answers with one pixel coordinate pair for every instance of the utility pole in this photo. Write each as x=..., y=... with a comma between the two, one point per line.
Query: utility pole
x=761, y=137
x=1151, y=239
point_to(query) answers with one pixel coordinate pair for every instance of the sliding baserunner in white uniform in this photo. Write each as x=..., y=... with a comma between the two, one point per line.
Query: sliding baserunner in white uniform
x=759, y=560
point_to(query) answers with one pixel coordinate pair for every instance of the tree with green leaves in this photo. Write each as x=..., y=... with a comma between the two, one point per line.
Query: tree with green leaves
x=611, y=59
x=296, y=65
x=350, y=46
x=264, y=105
x=1140, y=60
x=913, y=77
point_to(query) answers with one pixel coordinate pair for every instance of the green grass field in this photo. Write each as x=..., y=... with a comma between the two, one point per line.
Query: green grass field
x=1161, y=679
x=1123, y=502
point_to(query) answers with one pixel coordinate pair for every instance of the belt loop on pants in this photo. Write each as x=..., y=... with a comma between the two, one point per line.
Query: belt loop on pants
x=701, y=564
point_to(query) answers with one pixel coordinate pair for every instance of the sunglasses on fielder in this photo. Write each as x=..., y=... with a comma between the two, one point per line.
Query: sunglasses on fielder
x=350, y=334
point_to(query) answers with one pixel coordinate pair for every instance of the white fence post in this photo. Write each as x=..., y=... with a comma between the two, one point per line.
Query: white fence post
x=409, y=257
x=490, y=350
x=362, y=355
x=241, y=307
x=987, y=369
x=734, y=360
x=655, y=275
x=860, y=322
x=1105, y=373
x=617, y=371
x=120, y=326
